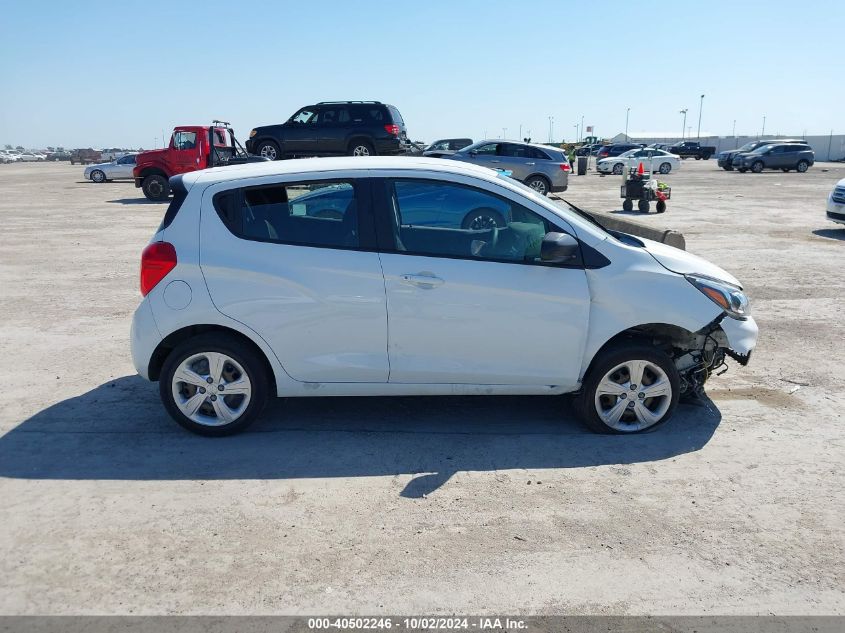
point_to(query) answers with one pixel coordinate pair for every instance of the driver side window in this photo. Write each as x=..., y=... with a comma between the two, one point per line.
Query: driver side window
x=303, y=116
x=443, y=219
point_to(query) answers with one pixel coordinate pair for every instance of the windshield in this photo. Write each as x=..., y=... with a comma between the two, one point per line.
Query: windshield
x=763, y=149
x=543, y=200
x=747, y=147
x=630, y=152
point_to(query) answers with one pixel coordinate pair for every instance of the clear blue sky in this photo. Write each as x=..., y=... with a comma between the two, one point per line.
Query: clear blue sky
x=118, y=73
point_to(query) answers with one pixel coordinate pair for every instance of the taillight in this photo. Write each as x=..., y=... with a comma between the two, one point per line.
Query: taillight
x=565, y=166
x=392, y=128
x=158, y=259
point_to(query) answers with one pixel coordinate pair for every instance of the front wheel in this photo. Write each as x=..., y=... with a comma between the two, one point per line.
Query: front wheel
x=665, y=168
x=642, y=206
x=661, y=206
x=802, y=166
x=156, y=187
x=539, y=184
x=214, y=385
x=628, y=205
x=630, y=389
x=98, y=176
x=757, y=166
x=617, y=169
x=742, y=170
x=268, y=149
x=728, y=168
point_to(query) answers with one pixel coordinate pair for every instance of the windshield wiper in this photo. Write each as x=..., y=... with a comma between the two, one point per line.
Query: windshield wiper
x=586, y=216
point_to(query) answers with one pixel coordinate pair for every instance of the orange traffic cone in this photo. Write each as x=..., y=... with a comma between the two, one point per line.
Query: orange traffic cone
x=640, y=170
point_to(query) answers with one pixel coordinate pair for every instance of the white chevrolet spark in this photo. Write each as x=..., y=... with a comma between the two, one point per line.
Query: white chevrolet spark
x=415, y=276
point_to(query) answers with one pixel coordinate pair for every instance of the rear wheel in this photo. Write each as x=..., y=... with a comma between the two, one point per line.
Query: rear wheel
x=665, y=168
x=539, y=184
x=757, y=166
x=660, y=206
x=268, y=149
x=361, y=148
x=98, y=176
x=629, y=389
x=785, y=170
x=214, y=385
x=617, y=169
x=628, y=205
x=155, y=187
x=642, y=206
x=802, y=166
x=742, y=170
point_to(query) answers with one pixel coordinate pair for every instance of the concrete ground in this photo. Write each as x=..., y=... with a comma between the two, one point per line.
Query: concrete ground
x=418, y=505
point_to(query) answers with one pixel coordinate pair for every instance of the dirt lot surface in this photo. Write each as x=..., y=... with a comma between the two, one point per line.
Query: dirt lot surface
x=419, y=505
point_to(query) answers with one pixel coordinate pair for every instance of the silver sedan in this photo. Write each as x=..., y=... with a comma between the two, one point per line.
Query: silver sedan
x=118, y=169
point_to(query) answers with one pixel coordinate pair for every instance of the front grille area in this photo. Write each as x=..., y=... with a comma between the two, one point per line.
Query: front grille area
x=839, y=195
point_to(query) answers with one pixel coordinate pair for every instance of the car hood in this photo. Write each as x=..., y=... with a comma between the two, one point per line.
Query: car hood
x=149, y=155
x=684, y=263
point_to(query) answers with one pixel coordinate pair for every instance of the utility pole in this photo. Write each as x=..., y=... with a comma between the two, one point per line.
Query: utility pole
x=627, y=112
x=763, y=133
x=733, y=133
x=700, y=106
x=551, y=127
x=504, y=132
x=684, y=126
x=581, y=136
x=520, y=131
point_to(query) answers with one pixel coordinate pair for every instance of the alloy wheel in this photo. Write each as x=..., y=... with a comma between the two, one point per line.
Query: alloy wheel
x=633, y=396
x=268, y=151
x=361, y=150
x=211, y=388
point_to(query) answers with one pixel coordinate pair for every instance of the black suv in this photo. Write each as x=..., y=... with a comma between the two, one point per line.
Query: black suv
x=614, y=149
x=333, y=128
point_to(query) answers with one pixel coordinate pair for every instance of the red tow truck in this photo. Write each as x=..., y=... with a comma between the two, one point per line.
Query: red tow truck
x=192, y=147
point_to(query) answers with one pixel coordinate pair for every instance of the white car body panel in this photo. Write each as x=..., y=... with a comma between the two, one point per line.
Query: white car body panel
x=338, y=322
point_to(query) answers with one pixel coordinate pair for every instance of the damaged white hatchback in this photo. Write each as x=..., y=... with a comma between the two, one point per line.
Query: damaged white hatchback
x=412, y=276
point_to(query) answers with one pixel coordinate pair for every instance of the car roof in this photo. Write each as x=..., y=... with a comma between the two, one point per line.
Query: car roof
x=513, y=142
x=317, y=166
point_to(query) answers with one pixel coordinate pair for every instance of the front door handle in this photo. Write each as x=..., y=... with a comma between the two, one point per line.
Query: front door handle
x=423, y=280
x=495, y=161
x=529, y=163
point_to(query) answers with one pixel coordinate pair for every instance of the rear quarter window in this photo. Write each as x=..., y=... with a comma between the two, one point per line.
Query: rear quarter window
x=177, y=187
x=394, y=112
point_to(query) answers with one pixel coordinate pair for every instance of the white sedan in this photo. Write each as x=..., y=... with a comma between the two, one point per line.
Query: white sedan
x=655, y=160
x=118, y=169
x=30, y=157
x=836, y=203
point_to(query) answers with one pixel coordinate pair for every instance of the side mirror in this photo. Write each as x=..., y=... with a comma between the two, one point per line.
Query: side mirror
x=473, y=153
x=557, y=248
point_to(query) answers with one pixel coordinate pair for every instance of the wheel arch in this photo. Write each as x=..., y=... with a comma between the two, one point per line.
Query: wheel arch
x=152, y=171
x=175, y=338
x=538, y=174
x=356, y=137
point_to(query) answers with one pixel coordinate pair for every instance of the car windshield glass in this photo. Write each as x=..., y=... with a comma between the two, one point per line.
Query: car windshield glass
x=630, y=152
x=763, y=149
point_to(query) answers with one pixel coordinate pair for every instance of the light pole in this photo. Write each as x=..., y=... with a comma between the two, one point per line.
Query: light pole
x=700, y=106
x=627, y=112
x=733, y=133
x=520, y=131
x=581, y=135
x=684, y=126
x=763, y=133
x=576, y=132
x=551, y=127
x=504, y=132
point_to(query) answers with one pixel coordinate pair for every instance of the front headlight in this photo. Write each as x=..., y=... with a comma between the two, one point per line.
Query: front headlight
x=251, y=133
x=727, y=296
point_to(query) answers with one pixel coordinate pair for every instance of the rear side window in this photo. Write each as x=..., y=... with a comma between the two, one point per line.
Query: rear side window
x=323, y=214
x=538, y=154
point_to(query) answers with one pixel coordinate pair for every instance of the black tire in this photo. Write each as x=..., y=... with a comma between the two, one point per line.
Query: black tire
x=698, y=158
x=268, y=149
x=728, y=168
x=156, y=187
x=72, y=162
x=802, y=166
x=628, y=205
x=618, y=168
x=361, y=147
x=605, y=361
x=483, y=218
x=665, y=168
x=757, y=166
x=642, y=206
x=785, y=170
x=98, y=176
x=245, y=356
x=660, y=207
x=742, y=170
x=540, y=184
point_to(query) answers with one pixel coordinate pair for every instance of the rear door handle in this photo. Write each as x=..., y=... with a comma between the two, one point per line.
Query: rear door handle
x=529, y=163
x=423, y=280
x=495, y=161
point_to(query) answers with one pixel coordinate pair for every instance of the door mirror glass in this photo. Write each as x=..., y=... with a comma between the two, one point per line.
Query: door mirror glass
x=558, y=248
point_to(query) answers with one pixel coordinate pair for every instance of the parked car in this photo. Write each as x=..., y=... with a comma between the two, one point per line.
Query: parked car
x=191, y=147
x=692, y=149
x=725, y=159
x=836, y=203
x=654, y=160
x=446, y=146
x=118, y=169
x=614, y=149
x=85, y=156
x=58, y=155
x=248, y=295
x=30, y=157
x=785, y=156
x=542, y=167
x=334, y=128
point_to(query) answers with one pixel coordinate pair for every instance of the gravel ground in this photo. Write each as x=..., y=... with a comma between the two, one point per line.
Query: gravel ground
x=418, y=505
